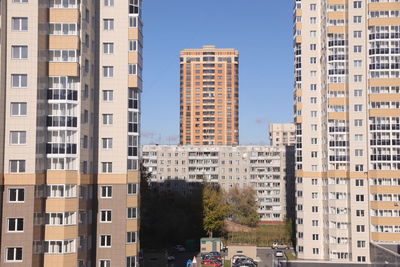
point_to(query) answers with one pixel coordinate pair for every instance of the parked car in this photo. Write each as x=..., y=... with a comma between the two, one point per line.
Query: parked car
x=279, y=245
x=211, y=263
x=237, y=258
x=180, y=248
x=279, y=253
x=244, y=262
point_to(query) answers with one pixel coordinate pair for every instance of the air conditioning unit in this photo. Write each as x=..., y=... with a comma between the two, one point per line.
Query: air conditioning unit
x=397, y=203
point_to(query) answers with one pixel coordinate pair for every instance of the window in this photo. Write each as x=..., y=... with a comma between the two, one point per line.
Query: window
x=357, y=63
x=315, y=237
x=17, y=137
x=17, y=166
x=20, y=1
x=20, y=24
x=15, y=225
x=315, y=251
x=357, y=49
x=313, y=87
x=358, y=137
x=360, y=213
x=131, y=261
x=61, y=190
x=14, y=254
x=19, y=80
x=131, y=213
x=359, y=182
x=360, y=228
x=313, y=100
x=357, y=108
x=59, y=246
x=361, y=244
x=133, y=22
x=133, y=6
x=108, y=95
x=108, y=71
x=107, y=119
x=359, y=167
x=357, y=34
x=314, y=195
x=314, y=154
x=18, y=109
x=133, y=45
x=314, y=141
x=105, y=263
x=105, y=216
x=357, y=93
x=359, y=198
x=107, y=143
x=313, y=114
x=106, y=167
x=358, y=123
x=106, y=191
x=19, y=52
x=130, y=237
x=315, y=223
x=357, y=4
x=132, y=189
x=361, y=259
x=313, y=34
x=313, y=7
x=313, y=47
x=108, y=48
x=63, y=4
x=60, y=218
x=357, y=19
x=16, y=195
x=108, y=24
x=105, y=241
x=132, y=69
x=314, y=127
x=314, y=181
x=108, y=3
x=358, y=152
x=313, y=60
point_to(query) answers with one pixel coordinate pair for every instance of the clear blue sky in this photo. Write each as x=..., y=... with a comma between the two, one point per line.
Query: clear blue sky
x=262, y=32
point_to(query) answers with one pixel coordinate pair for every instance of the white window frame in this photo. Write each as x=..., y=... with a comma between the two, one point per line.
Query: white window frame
x=106, y=191
x=19, y=137
x=19, y=80
x=108, y=216
x=17, y=193
x=14, y=254
x=20, y=165
x=19, y=24
x=19, y=52
x=9, y=220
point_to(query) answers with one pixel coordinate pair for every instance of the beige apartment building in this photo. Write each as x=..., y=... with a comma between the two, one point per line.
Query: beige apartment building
x=282, y=134
x=179, y=168
x=70, y=76
x=347, y=80
x=209, y=96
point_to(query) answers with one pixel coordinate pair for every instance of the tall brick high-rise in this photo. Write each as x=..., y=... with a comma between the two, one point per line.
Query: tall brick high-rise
x=209, y=96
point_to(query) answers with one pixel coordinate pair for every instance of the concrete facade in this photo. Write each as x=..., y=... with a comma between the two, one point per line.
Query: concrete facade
x=261, y=167
x=70, y=76
x=346, y=109
x=282, y=134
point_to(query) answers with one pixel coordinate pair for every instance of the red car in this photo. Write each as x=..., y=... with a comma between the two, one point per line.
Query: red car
x=210, y=263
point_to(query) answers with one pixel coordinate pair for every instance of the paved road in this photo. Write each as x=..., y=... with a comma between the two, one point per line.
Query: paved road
x=268, y=259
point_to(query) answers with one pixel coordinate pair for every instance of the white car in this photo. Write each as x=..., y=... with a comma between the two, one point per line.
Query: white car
x=279, y=253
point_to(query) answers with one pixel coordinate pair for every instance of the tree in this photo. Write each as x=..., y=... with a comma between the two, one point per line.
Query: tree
x=214, y=209
x=242, y=206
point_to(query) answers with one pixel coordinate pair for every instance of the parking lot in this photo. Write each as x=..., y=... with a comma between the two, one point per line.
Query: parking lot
x=268, y=258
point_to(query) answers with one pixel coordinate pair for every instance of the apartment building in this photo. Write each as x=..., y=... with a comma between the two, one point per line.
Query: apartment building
x=209, y=96
x=346, y=93
x=282, y=134
x=264, y=168
x=70, y=76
